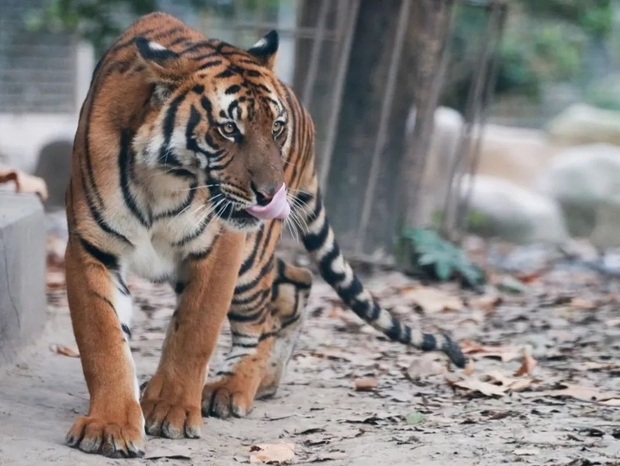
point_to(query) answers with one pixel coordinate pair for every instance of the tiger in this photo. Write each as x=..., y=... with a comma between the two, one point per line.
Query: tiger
x=189, y=158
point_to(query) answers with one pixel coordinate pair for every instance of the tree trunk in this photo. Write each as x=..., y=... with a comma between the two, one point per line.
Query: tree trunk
x=365, y=88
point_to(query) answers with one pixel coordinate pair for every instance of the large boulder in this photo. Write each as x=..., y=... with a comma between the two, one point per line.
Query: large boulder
x=442, y=153
x=514, y=154
x=584, y=124
x=54, y=166
x=500, y=208
x=22, y=272
x=583, y=179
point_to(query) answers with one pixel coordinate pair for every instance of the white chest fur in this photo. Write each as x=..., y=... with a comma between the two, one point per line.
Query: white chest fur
x=159, y=250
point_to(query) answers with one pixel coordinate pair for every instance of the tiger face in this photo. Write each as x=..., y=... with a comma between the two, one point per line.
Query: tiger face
x=221, y=125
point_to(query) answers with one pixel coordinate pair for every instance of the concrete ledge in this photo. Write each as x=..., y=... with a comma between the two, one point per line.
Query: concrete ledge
x=22, y=272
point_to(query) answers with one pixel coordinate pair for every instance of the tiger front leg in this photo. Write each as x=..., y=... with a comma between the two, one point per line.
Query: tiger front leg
x=263, y=342
x=172, y=399
x=100, y=306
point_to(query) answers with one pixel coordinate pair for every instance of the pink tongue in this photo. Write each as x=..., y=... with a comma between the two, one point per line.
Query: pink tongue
x=278, y=207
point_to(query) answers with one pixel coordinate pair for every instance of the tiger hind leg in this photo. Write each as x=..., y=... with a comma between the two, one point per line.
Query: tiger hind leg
x=255, y=365
x=291, y=290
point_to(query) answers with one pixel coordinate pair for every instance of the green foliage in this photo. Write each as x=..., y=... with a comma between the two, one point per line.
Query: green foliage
x=101, y=22
x=425, y=253
x=98, y=22
x=544, y=41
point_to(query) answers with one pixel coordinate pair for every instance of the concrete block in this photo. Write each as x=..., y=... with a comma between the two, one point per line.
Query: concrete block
x=22, y=272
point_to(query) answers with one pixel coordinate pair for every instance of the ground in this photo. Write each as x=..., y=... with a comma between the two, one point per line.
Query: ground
x=543, y=386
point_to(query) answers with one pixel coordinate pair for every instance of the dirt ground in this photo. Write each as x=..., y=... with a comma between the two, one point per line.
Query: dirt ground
x=557, y=327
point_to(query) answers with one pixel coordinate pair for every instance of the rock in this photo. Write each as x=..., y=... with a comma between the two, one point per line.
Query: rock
x=584, y=124
x=54, y=166
x=500, y=208
x=514, y=154
x=583, y=179
x=442, y=152
x=22, y=272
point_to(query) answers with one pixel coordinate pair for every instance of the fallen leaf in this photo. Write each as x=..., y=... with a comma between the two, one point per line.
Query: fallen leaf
x=279, y=453
x=487, y=303
x=366, y=385
x=582, y=393
x=469, y=368
x=486, y=388
x=431, y=300
x=511, y=285
x=64, y=351
x=526, y=452
x=329, y=456
x=527, y=367
x=177, y=452
x=582, y=303
x=504, y=353
x=24, y=183
x=425, y=366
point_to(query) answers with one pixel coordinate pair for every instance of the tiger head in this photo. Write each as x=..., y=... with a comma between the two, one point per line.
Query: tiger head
x=219, y=120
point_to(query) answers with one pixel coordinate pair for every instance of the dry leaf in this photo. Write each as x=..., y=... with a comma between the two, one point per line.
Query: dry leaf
x=279, y=453
x=527, y=367
x=487, y=303
x=526, y=452
x=24, y=183
x=65, y=351
x=580, y=392
x=431, y=300
x=469, y=369
x=581, y=303
x=425, y=366
x=172, y=451
x=485, y=388
x=366, y=385
x=504, y=353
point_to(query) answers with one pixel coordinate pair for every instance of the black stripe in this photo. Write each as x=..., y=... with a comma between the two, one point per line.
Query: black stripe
x=125, y=167
x=208, y=64
x=127, y=331
x=262, y=272
x=105, y=300
x=254, y=298
x=331, y=277
x=165, y=156
x=242, y=317
x=429, y=343
x=122, y=286
x=313, y=242
x=110, y=261
x=195, y=234
x=232, y=89
x=394, y=332
x=249, y=262
x=180, y=208
x=197, y=256
x=98, y=217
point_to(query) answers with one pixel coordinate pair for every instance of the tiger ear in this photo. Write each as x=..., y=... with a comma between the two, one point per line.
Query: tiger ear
x=165, y=65
x=266, y=50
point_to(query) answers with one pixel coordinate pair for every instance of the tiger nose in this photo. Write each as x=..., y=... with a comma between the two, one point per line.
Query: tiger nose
x=264, y=194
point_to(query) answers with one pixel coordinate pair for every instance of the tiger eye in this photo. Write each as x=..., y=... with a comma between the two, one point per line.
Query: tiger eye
x=277, y=126
x=229, y=128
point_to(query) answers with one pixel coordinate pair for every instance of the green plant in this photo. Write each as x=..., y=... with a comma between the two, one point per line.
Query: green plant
x=424, y=252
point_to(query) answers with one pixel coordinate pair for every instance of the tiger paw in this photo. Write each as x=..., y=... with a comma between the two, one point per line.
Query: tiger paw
x=223, y=399
x=169, y=411
x=113, y=438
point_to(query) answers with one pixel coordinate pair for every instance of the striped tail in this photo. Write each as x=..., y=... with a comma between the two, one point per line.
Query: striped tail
x=319, y=241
